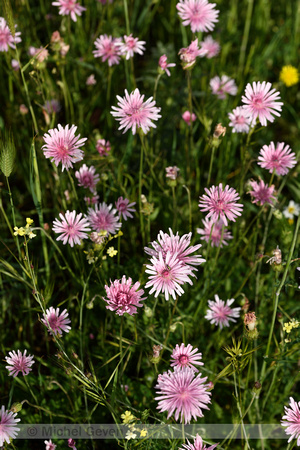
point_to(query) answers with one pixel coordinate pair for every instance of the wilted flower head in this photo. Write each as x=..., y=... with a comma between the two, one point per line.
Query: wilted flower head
x=130, y=46
x=104, y=218
x=188, y=117
x=125, y=208
x=69, y=8
x=172, y=172
x=293, y=209
x=8, y=429
x=291, y=420
x=210, y=47
x=279, y=158
x=199, y=14
x=72, y=227
x=239, y=120
x=55, y=322
x=87, y=177
x=123, y=296
x=6, y=38
x=197, y=445
x=215, y=232
x=103, y=147
x=250, y=320
x=289, y=75
x=164, y=66
x=261, y=192
x=107, y=49
x=18, y=363
x=219, y=131
x=186, y=356
x=220, y=313
x=222, y=86
x=189, y=54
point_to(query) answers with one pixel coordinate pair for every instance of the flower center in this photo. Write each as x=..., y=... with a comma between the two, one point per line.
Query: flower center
x=257, y=101
x=183, y=359
x=123, y=299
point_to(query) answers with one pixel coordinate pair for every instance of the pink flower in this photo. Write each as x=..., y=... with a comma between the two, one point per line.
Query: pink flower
x=199, y=14
x=188, y=117
x=87, y=178
x=292, y=420
x=280, y=159
x=222, y=86
x=261, y=102
x=220, y=313
x=107, y=49
x=15, y=65
x=52, y=106
x=123, y=296
x=240, y=120
x=130, y=46
x=103, y=147
x=69, y=7
x=92, y=201
x=133, y=112
x=221, y=203
x=6, y=38
x=91, y=80
x=213, y=232
x=164, y=66
x=72, y=443
x=19, y=363
x=104, y=218
x=172, y=172
x=50, y=445
x=55, y=322
x=189, y=54
x=8, y=429
x=185, y=356
x=261, y=192
x=197, y=445
x=71, y=227
x=63, y=146
x=183, y=393
x=210, y=47
x=125, y=208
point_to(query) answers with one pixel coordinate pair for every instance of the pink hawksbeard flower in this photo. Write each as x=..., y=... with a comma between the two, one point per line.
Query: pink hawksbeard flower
x=222, y=86
x=103, y=147
x=130, y=46
x=125, y=208
x=199, y=14
x=50, y=445
x=71, y=227
x=197, y=445
x=104, y=218
x=221, y=203
x=291, y=420
x=188, y=117
x=6, y=38
x=280, y=159
x=55, y=322
x=164, y=66
x=69, y=7
x=172, y=172
x=133, y=112
x=107, y=49
x=182, y=392
x=214, y=232
x=261, y=192
x=220, y=313
x=210, y=47
x=239, y=120
x=262, y=102
x=63, y=146
x=123, y=296
x=8, y=429
x=186, y=356
x=189, y=54
x=19, y=363
x=87, y=178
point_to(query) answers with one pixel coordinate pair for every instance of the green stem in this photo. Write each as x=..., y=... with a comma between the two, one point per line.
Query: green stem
x=13, y=217
x=126, y=17
x=140, y=189
x=211, y=164
x=174, y=209
x=245, y=38
x=190, y=206
x=156, y=85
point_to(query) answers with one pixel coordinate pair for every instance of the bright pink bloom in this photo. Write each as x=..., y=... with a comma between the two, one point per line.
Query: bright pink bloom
x=55, y=322
x=72, y=443
x=19, y=363
x=164, y=66
x=189, y=54
x=220, y=313
x=188, y=117
x=132, y=112
x=183, y=393
x=104, y=218
x=210, y=47
x=221, y=203
x=6, y=38
x=222, y=86
x=197, y=445
x=8, y=429
x=71, y=227
x=125, y=208
x=87, y=178
x=239, y=120
x=172, y=172
x=63, y=146
x=262, y=102
x=291, y=420
x=261, y=192
x=199, y=14
x=107, y=49
x=69, y=7
x=213, y=231
x=103, y=147
x=123, y=296
x=130, y=46
x=49, y=445
x=185, y=356
x=280, y=159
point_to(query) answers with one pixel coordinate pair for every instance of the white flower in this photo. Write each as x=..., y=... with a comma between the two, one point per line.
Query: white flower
x=293, y=209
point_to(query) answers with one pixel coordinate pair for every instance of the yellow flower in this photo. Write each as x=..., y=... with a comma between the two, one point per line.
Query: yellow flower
x=289, y=75
x=127, y=417
x=28, y=222
x=112, y=252
x=19, y=231
x=143, y=433
x=102, y=233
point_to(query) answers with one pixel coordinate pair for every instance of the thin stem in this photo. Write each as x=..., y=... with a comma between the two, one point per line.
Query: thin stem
x=190, y=206
x=13, y=217
x=126, y=17
x=140, y=189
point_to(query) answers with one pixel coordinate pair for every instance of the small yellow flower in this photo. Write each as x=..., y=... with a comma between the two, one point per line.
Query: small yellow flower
x=19, y=231
x=289, y=75
x=28, y=222
x=112, y=252
x=290, y=221
x=102, y=233
x=143, y=433
x=127, y=417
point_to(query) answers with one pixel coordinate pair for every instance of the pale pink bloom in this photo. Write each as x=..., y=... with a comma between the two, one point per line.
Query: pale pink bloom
x=52, y=106
x=91, y=80
x=172, y=172
x=19, y=363
x=69, y=7
x=220, y=313
x=72, y=227
x=189, y=54
x=240, y=120
x=8, y=429
x=130, y=46
x=222, y=86
x=104, y=218
x=280, y=159
x=92, y=200
x=107, y=49
x=6, y=38
x=64, y=48
x=197, y=445
x=221, y=203
x=199, y=14
x=125, y=208
x=41, y=53
x=23, y=109
x=291, y=420
x=182, y=392
x=210, y=47
x=261, y=192
x=261, y=101
x=185, y=356
x=123, y=296
x=213, y=231
x=15, y=65
x=61, y=145
x=103, y=147
x=87, y=177
x=55, y=322
x=50, y=445
x=132, y=112
x=164, y=66
x=188, y=117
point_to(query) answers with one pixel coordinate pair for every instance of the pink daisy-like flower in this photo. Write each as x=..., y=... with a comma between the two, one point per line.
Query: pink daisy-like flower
x=132, y=112
x=69, y=7
x=185, y=356
x=239, y=120
x=172, y=172
x=188, y=117
x=50, y=445
x=107, y=49
x=189, y=54
x=261, y=192
x=72, y=227
x=183, y=393
x=103, y=147
x=210, y=47
x=291, y=420
x=221, y=203
x=104, y=218
x=130, y=46
x=164, y=66
x=87, y=178
x=123, y=296
x=213, y=231
x=280, y=159
x=261, y=101
x=92, y=200
x=220, y=313
x=6, y=38
x=197, y=445
x=222, y=86
x=55, y=322
x=8, y=429
x=19, y=363
x=199, y=14
x=61, y=145
x=125, y=208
